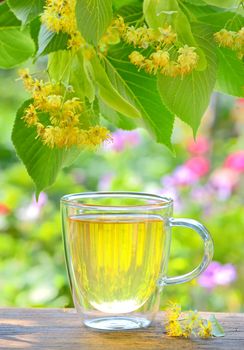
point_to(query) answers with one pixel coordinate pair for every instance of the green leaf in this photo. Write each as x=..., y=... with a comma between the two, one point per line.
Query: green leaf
x=81, y=79
x=223, y=3
x=160, y=13
x=196, y=2
x=59, y=65
x=141, y=89
x=71, y=69
x=228, y=20
x=93, y=18
x=198, y=9
x=7, y=18
x=115, y=118
x=188, y=97
x=131, y=12
x=109, y=94
x=41, y=162
x=35, y=27
x=217, y=329
x=49, y=41
x=230, y=74
x=16, y=46
x=157, y=14
x=117, y=4
x=26, y=10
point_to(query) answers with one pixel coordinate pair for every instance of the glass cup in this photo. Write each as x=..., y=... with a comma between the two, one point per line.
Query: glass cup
x=117, y=247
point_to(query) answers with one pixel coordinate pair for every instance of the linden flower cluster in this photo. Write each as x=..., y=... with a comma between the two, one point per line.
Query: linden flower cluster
x=232, y=40
x=191, y=324
x=159, y=61
x=161, y=40
x=59, y=16
x=143, y=37
x=63, y=129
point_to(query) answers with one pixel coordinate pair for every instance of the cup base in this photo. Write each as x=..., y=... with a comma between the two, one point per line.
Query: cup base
x=117, y=323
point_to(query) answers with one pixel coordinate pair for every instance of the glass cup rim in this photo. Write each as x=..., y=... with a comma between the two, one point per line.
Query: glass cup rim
x=159, y=202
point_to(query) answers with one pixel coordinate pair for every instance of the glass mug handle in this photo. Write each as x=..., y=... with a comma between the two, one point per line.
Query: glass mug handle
x=208, y=250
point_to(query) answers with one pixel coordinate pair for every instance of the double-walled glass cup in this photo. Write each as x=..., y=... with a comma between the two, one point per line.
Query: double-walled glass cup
x=117, y=247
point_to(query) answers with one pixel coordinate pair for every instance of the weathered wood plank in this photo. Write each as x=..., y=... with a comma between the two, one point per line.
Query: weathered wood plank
x=61, y=329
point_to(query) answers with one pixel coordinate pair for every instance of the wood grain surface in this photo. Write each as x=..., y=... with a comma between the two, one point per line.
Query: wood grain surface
x=62, y=329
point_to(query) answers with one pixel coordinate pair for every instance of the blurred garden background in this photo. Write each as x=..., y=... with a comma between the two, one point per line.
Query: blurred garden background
x=205, y=178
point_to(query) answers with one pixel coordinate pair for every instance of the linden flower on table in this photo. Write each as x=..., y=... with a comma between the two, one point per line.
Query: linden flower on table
x=205, y=329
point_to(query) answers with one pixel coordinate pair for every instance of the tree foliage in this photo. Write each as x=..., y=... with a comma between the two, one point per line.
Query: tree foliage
x=107, y=81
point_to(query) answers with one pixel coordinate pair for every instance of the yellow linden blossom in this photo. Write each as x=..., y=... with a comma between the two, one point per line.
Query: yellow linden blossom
x=160, y=58
x=232, y=40
x=173, y=311
x=27, y=79
x=174, y=329
x=187, y=324
x=166, y=35
x=141, y=37
x=145, y=37
x=187, y=59
x=30, y=116
x=119, y=24
x=149, y=66
x=60, y=16
x=76, y=41
x=239, y=39
x=63, y=129
x=96, y=135
x=137, y=59
x=131, y=36
x=225, y=38
x=239, y=43
x=74, y=105
x=171, y=69
x=205, y=329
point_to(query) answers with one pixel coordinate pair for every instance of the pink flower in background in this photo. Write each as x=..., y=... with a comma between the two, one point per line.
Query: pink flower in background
x=240, y=101
x=184, y=176
x=4, y=209
x=217, y=274
x=188, y=173
x=198, y=147
x=123, y=139
x=235, y=161
x=224, y=181
x=202, y=193
x=198, y=165
x=105, y=182
x=32, y=211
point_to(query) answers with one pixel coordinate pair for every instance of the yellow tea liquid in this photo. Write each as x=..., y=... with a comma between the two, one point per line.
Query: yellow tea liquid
x=117, y=259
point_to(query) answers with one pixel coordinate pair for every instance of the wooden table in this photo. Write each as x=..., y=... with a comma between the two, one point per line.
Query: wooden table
x=61, y=329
